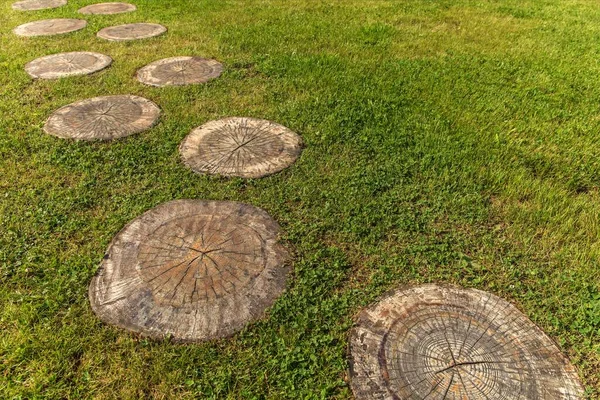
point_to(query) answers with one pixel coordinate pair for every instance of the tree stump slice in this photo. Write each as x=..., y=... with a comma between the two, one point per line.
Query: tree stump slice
x=244, y=147
x=103, y=118
x=131, y=32
x=179, y=71
x=443, y=342
x=34, y=5
x=49, y=27
x=191, y=270
x=107, y=8
x=67, y=64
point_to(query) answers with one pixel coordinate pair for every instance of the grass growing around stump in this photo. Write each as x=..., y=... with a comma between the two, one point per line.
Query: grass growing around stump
x=448, y=141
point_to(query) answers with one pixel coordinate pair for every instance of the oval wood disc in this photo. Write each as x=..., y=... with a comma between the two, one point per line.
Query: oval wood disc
x=178, y=71
x=48, y=27
x=32, y=5
x=67, y=64
x=442, y=342
x=245, y=147
x=131, y=31
x=191, y=270
x=103, y=118
x=107, y=8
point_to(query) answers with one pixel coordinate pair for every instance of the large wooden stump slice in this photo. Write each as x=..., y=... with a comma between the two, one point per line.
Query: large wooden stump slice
x=245, y=147
x=178, y=71
x=191, y=270
x=442, y=342
x=103, y=118
x=67, y=64
x=49, y=27
x=131, y=31
x=107, y=8
x=34, y=5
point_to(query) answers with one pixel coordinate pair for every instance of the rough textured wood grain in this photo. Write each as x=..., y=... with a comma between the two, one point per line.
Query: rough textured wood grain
x=103, y=118
x=178, y=71
x=33, y=5
x=131, y=31
x=67, y=64
x=245, y=147
x=442, y=342
x=107, y=8
x=191, y=270
x=49, y=27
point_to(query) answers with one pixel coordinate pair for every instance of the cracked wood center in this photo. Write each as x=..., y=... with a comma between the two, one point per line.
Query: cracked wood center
x=244, y=147
x=442, y=342
x=67, y=64
x=48, y=27
x=131, y=31
x=192, y=270
x=179, y=71
x=103, y=118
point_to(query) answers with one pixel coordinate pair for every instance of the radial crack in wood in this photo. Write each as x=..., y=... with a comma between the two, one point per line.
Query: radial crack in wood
x=67, y=64
x=444, y=342
x=191, y=270
x=244, y=147
x=49, y=27
x=107, y=8
x=34, y=5
x=103, y=118
x=131, y=31
x=178, y=71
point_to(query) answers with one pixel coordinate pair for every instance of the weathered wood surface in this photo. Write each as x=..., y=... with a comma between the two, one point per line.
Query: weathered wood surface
x=103, y=118
x=443, y=342
x=178, y=71
x=67, y=64
x=49, y=27
x=34, y=5
x=131, y=31
x=191, y=270
x=244, y=147
x=107, y=8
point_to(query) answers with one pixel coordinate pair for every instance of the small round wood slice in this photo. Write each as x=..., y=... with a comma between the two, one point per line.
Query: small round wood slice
x=191, y=270
x=442, y=342
x=49, y=27
x=103, y=118
x=131, y=31
x=34, y=5
x=178, y=71
x=67, y=64
x=107, y=8
x=244, y=147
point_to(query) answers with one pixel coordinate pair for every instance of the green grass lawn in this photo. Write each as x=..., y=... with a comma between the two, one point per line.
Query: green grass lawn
x=448, y=141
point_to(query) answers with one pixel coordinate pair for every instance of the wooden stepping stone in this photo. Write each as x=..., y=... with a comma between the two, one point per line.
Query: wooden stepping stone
x=131, y=31
x=103, y=118
x=67, y=64
x=178, y=71
x=107, y=8
x=49, y=27
x=191, y=270
x=244, y=147
x=441, y=342
x=34, y=5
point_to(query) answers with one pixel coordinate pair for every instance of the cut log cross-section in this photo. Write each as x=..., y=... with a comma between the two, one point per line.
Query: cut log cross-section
x=442, y=342
x=107, y=8
x=49, y=27
x=131, y=31
x=244, y=147
x=67, y=64
x=192, y=270
x=103, y=118
x=34, y=5
x=179, y=71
